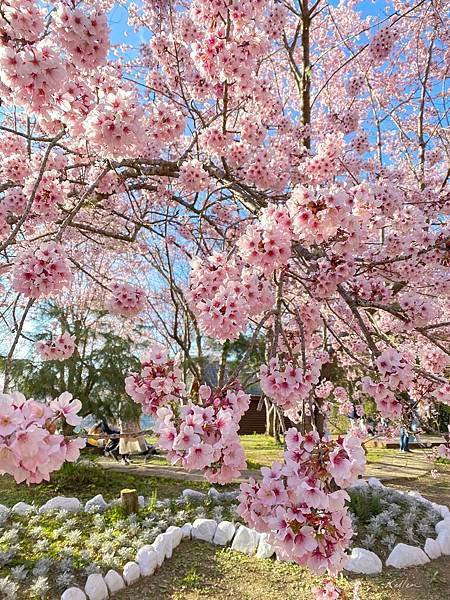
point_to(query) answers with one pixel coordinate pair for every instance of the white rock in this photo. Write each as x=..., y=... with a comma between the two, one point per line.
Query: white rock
x=131, y=573
x=374, y=482
x=415, y=494
x=73, y=593
x=95, y=587
x=142, y=549
x=441, y=509
x=265, y=550
x=159, y=546
x=21, y=508
x=364, y=561
x=186, y=529
x=432, y=548
x=443, y=540
x=228, y=496
x=169, y=541
x=419, y=497
x=203, y=529
x=193, y=495
x=4, y=509
x=443, y=525
x=224, y=533
x=141, y=501
x=96, y=503
x=147, y=559
x=114, y=581
x=246, y=540
x=403, y=556
x=213, y=493
x=360, y=483
x=61, y=503
x=177, y=535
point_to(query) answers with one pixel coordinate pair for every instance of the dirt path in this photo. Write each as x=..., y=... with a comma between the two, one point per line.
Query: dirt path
x=158, y=470
x=388, y=465
x=393, y=464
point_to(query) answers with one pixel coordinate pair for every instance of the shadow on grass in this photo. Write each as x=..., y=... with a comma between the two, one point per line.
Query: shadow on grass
x=200, y=571
x=84, y=482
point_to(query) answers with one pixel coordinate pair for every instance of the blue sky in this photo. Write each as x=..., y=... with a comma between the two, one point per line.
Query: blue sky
x=119, y=15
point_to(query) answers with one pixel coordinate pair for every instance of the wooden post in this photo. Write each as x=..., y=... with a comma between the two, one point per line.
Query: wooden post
x=130, y=501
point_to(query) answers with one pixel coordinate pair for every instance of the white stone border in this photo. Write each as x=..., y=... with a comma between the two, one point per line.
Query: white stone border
x=403, y=555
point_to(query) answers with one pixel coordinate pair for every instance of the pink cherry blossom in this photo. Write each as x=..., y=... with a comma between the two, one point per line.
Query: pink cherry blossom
x=67, y=407
x=41, y=272
x=125, y=300
x=28, y=450
x=58, y=348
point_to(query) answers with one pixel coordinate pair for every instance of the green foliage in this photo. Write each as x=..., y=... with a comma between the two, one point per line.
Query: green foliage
x=94, y=374
x=115, y=514
x=231, y=354
x=192, y=579
x=364, y=506
x=443, y=416
x=90, y=481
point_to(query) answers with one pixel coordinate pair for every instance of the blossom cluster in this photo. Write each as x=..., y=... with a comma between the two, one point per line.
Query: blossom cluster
x=223, y=296
x=41, y=272
x=381, y=44
x=442, y=394
x=299, y=504
x=47, y=194
x=317, y=218
x=394, y=369
x=288, y=385
x=267, y=243
x=205, y=436
x=201, y=435
x=22, y=19
x=388, y=404
x=34, y=75
x=324, y=165
x=158, y=383
x=58, y=348
x=114, y=125
x=84, y=37
x=193, y=176
x=125, y=300
x=29, y=447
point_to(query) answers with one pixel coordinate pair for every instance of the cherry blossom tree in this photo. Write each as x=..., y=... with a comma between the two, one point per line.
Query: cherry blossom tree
x=295, y=154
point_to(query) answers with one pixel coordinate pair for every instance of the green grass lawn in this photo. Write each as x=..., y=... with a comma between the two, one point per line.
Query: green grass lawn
x=261, y=450
x=84, y=482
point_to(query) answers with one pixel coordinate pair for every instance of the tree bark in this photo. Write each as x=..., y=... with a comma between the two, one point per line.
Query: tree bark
x=130, y=501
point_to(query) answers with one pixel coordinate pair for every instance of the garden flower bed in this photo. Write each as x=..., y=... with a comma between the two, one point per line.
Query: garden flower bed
x=43, y=553
x=47, y=550
x=383, y=517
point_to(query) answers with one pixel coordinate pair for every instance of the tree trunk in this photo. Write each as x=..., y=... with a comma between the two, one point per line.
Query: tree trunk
x=130, y=501
x=269, y=410
x=306, y=70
